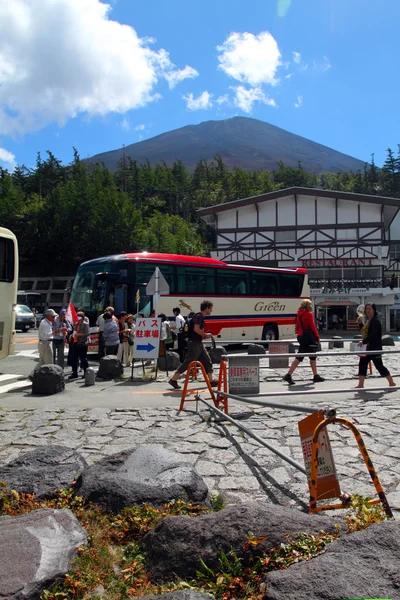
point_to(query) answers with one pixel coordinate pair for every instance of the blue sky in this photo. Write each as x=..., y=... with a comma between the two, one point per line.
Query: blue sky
x=98, y=76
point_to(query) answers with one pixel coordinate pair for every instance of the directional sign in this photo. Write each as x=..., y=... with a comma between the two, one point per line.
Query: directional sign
x=147, y=338
x=157, y=284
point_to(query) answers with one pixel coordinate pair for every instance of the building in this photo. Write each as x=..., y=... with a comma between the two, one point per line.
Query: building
x=350, y=243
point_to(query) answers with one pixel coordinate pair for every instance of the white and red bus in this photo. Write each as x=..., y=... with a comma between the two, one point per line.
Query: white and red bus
x=8, y=290
x=249, y=302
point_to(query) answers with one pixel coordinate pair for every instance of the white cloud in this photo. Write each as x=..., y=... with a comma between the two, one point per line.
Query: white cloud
x=7, y=158
x=175, y=77
x=296, y=57
x=250, y=58
x=222, y=99
x=326, y=65
x=245, y=98
x=125, y=124
x=140, y=127
x=289, y=75
x=202, y=102
x=299, y=102
x=70, y=59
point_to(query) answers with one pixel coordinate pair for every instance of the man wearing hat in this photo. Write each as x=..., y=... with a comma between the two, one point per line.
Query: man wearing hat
x=46, y=337
x=59, y=324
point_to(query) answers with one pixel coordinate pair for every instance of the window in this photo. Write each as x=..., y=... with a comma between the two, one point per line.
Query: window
x=290, y=284
x=7, y=260
x=264, y=284
x=196, y=280
x=145, y=271
x=233, y=282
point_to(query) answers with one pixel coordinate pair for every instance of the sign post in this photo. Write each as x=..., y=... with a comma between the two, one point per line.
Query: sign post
x=147, y=338
x=244, y=375
x=328, y=484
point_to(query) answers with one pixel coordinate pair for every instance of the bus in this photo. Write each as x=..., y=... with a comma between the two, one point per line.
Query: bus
x=34, y=300
x=8, y=291
x=249, y=302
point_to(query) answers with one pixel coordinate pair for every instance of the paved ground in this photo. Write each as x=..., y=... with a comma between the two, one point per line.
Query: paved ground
x=110, y=417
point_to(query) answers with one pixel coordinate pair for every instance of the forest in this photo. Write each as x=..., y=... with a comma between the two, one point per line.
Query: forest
x=66, y=214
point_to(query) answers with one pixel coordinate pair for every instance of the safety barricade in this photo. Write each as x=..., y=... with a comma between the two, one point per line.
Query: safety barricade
x=216, y=397
x=312, y=474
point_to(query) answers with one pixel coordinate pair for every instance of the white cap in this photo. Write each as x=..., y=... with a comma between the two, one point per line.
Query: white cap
x=50, y=313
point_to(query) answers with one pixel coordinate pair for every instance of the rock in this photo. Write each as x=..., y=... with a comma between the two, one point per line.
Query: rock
x=47, y=380
x=256, y=349
x=337, y=341
x=110, y=367
x=148, y=474
x=181, y=595
x=35, y=550
x=176, y=545
x=45, y=469
x=170, y=362
x=216, y=354
x=360, y=565
x=387, y=340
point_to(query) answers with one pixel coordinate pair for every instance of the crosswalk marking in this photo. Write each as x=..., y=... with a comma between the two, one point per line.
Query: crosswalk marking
x=7, y=377
x=14, y=386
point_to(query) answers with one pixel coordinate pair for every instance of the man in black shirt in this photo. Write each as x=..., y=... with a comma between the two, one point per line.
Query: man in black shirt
x=196, y=350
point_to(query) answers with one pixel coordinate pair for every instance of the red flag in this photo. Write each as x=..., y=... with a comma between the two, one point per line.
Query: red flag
x=71, y=314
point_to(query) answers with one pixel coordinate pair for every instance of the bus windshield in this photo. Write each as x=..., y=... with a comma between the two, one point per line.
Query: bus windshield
x=8, y=290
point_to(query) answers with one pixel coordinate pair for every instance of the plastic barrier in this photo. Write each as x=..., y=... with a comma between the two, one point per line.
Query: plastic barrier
x=215, y=396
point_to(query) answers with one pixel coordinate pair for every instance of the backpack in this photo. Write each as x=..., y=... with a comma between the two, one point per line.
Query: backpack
x=188, y=327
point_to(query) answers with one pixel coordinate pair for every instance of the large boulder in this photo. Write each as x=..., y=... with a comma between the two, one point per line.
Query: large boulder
x=35, y=550
x=181, y=595
x=360, y=565
x=387, y=340
x=47, y=380
x=170, y=362
x=149, y=474
x=110, y=367
x=177, y=544
x=42, y=471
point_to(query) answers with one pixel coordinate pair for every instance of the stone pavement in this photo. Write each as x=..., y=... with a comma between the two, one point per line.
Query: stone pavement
x=231, y=463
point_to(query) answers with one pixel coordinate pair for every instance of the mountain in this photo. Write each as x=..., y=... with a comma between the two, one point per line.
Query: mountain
x=240, y=141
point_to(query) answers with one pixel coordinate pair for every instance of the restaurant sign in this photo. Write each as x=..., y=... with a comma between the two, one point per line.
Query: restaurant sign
x=336, y=262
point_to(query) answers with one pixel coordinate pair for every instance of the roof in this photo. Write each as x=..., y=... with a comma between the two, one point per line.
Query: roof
x=298, y=190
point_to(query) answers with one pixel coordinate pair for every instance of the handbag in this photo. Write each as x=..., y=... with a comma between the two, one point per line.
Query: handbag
x=308, y=338
x=130, y=341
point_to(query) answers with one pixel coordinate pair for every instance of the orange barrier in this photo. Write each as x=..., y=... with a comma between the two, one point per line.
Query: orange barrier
x=345, y=499
x=222, y=382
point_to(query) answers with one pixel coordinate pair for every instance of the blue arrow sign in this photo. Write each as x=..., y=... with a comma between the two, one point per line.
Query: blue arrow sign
x=146, y=348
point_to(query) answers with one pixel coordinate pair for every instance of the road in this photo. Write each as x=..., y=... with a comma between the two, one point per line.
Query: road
x=112, y=416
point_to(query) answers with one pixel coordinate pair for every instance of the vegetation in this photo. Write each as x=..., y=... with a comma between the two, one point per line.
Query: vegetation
x=64, y=215
x=113, y=564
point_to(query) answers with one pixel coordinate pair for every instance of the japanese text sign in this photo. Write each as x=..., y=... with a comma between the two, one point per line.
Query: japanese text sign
x=147, y=338
x=244, y=375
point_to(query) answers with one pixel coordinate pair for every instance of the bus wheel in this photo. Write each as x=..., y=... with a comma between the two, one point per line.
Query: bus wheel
x=270, y=332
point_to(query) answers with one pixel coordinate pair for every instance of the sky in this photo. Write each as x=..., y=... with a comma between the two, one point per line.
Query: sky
x=97, y=76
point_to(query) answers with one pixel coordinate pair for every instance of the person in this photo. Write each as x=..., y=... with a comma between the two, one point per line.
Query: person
x=166, y=335
x=79, y=338
x=34, y=318
x=241, y=287
x=320, y=320
x=335, y=321
x=130, y=321
x=110, y=334
x=179, y=330
x=393, y=281
x=85, y=318
x=153, y=314
x=121, y=328
x=306, y=330
x=45, y=335
x=372, y=336
x=196, y=350
x=100, y=325
x=60, y=323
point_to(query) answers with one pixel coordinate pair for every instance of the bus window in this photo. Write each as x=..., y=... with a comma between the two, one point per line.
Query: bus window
x=290, y=284
x=264, y=284
x=232, y=281
x=196, y=280
x=6, y=260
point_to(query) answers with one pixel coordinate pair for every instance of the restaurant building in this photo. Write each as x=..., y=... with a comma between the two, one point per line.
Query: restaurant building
x=349, y=243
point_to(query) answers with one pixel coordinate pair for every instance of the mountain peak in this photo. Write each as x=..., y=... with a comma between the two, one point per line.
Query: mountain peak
x=240, y=141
